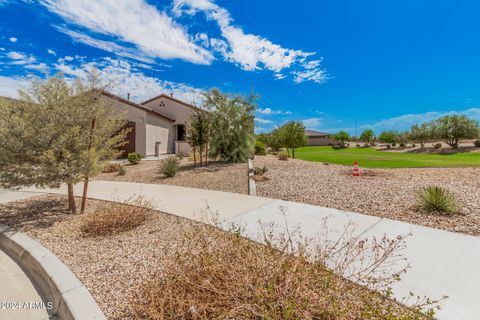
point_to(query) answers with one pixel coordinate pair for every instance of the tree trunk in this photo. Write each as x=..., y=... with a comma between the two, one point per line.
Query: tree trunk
x=200, y=150
x=84, y=197
x=194, y=156
x=206, y=154
x=293, y=153
x=85, y=183
x=71, y=199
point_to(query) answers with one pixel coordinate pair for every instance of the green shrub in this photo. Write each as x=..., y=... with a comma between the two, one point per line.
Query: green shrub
x=260, y=148
x=134, y=157
x=433, y=199
x=258, y=171
x=283, y=156
x=122, y=171
x=169, y=166
x=111, y=167
x=437, y=145
x=477, y=143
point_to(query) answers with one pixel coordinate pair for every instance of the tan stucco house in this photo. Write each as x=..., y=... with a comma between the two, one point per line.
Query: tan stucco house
x=317, y=138
x=158, y=124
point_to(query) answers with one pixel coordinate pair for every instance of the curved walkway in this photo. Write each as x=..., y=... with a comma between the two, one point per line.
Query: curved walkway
x=442, y=263
x=18, y=292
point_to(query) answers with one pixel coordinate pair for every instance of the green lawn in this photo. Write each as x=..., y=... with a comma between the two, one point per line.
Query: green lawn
x=371, y=158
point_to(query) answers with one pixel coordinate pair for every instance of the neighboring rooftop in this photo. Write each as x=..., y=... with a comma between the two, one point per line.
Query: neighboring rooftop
x=313, y=133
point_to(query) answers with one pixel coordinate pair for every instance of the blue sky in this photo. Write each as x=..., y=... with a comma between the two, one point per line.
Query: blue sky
x=388, y=64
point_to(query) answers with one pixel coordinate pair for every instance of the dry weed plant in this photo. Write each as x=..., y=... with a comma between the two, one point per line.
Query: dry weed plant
x=113, y=218
x=223, y=275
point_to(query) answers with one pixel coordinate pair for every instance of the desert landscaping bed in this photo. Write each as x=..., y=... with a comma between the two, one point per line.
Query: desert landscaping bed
x=229, y=177
x=117, y=269
x=389, y=193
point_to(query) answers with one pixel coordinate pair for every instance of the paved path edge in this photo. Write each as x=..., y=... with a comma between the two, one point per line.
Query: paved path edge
x=51, y=277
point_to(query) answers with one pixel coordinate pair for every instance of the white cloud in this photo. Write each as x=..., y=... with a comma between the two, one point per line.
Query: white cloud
x=312, y=123
x=20, y=58
x=123, y=79
x=406, y=121
x=133, y=21
x=269, y=111
x=263, y=121
x=13, y=39
x=10, y=85
x=108, y=46
x=50, y=51
x=253, y=52
x=38, y=66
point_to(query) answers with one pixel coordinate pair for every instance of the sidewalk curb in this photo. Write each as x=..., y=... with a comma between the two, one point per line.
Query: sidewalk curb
x=51, y=277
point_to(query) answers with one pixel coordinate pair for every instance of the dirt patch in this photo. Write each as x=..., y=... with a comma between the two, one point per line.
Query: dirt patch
x=389, y=193
x=229, y=177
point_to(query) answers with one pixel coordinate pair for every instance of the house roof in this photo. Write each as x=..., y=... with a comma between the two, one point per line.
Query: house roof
x=138, y=106
x=313, y=133
x=163, y=95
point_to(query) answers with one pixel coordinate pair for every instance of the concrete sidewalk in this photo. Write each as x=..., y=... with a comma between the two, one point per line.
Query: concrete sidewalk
x=18, y=292
x=442, y=263
x=185, y=202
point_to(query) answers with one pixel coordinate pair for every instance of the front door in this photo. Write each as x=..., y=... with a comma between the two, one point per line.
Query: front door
x=130, y=138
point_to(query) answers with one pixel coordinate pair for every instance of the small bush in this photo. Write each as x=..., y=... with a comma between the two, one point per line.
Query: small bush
x=282, y=156
x=111, y=167
x=122, y=171
x=477, y=143
x=134, y=157
x=260, y=148
x=402, y=145
x=169, y=166
x=438, y=200
x=260, y=171
x=437, y=145
x=113, y=218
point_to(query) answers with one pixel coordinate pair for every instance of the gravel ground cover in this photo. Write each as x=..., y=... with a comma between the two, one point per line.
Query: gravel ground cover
x=389, y=193
x=111, y=267
x=216, y=176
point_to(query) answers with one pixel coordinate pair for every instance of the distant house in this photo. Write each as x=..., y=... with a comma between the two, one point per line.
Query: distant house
x=317, y=138
x=158, y=124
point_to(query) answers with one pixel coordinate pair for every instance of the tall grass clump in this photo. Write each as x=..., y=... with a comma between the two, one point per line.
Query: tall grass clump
x=434, y=199
x=170, y=166
x=112, y=218
x=221, y=275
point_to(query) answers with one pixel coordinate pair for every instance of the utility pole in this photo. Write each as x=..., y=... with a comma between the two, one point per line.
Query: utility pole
x=356, y=133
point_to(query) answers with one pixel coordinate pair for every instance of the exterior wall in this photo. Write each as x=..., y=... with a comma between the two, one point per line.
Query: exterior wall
x=320, y=141
x=135, y=115
x=178, y=111
x=182, y=149
x=158, y=130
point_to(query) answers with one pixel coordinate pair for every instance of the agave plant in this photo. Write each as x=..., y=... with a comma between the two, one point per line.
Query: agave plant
x=434, y=199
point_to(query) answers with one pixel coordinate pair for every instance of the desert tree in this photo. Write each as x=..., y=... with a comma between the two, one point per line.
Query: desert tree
x=198, y=134
x=455, y=128
x=56, y=133
x=388, y=137
x=342, y=137
x=420, y=133
x=232, y=125
x=367, y=136
x=293, y=135
x=276, y=141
